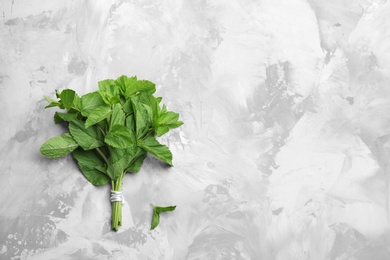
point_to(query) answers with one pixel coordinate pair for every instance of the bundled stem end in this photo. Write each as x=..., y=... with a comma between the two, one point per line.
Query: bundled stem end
x=116, y=217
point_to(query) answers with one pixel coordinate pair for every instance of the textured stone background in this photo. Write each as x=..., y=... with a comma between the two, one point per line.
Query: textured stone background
x=285, y=148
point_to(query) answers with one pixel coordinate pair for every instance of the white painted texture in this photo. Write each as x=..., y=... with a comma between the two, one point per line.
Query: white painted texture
x=285, y=148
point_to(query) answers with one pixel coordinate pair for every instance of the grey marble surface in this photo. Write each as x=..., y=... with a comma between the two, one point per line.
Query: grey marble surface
x=285, y=148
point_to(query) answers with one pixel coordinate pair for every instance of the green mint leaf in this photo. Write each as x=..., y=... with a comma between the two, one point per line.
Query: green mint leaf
x=167, y=120
x=124, y=83
x=103, y=125
x=136, y=164
x=155, y=219
x=163, y=129
x=53, y=103
x=77, y=102
x=118, y=116
x=120, y=137
x=64, y=117
x=156, y=214
x=128, y=107
x=58, y=93
x=115, y=169
x=87, y=138
x=160, y=209
x=117, y=153
x=102, y=169
x=67, y=97
x=151, y=145
x=130, y=122
x=91, y=166
x=118, y=161
x=97, y=115
x=150, y=103
x=142, y=122
x=104, y=85
x=140, y=86
x=109, y=91
x=90, y=102
x=59, y=146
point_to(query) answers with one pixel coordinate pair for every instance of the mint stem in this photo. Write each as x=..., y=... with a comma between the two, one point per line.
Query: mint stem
x=116, y=218
x=102, y=154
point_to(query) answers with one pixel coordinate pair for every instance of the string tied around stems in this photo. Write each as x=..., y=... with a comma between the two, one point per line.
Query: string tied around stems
x=117, y=196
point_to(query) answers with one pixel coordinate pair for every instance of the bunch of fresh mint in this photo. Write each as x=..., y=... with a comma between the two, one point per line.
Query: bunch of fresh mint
x=111, y=131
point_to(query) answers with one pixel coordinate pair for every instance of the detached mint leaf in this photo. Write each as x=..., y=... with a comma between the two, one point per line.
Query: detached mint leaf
x=91, y=166
x=160, y=209
x=97, y=115
x=59, y=146
x=155, y=220
x=90, y=102
x=156, y=214
x=120, y=137
x=151, y=145
x=87, y=138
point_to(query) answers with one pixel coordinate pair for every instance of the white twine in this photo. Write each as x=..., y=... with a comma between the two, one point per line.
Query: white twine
x=116, y=196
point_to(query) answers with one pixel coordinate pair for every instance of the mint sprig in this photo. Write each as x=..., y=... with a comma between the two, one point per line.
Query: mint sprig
x=111, y=131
